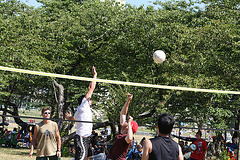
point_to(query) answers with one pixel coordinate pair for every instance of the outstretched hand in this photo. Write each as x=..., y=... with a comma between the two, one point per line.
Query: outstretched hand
x=94, y=72
x=68, y=115
x=129, y=96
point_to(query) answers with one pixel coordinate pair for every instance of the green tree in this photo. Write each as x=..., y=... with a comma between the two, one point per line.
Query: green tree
x=68, y=37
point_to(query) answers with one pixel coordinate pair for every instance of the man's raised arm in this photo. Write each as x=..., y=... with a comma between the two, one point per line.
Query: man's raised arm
x=124, y=110
x=92, y=85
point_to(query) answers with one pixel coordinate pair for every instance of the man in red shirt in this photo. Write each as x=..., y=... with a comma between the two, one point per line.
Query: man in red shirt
x=201, y=151
x=123, y=141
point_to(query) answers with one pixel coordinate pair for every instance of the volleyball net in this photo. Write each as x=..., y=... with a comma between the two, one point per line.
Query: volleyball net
x=201, y=102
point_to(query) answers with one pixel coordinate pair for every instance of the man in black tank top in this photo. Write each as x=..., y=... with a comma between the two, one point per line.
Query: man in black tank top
x=162, y=147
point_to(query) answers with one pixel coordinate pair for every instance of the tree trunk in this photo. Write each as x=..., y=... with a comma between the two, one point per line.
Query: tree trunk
x=235, y=134
x=67, y=138
x=225, y=139
x=4, y=118
x=60, y=103
x=13, y=113
x=113, y=129
x=150, y=114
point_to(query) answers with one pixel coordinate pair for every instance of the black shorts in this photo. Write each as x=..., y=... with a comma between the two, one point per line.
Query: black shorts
x=83, y=148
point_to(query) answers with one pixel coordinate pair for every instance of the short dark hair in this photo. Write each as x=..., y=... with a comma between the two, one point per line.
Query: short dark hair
x=80, y=99
x=165, y=123
x=143, y=139
x=45, y=108
x=199, y=133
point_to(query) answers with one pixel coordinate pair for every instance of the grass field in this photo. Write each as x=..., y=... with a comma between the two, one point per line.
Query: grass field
x=31, y=113
x=19, y=154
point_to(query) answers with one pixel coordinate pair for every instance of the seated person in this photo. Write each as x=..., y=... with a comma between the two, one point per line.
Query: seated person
x=186, y=145
x=2, y=141
x=11, y=137
x=139, y=149
x=6, y=136
x=25, y=136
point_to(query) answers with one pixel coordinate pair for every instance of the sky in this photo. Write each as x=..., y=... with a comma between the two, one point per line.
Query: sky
x=132, y=2
x=136, y=3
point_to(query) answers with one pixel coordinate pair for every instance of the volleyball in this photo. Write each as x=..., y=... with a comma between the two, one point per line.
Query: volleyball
x=159, y=56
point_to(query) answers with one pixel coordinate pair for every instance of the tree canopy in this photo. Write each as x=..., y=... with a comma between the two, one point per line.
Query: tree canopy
x=69, y=37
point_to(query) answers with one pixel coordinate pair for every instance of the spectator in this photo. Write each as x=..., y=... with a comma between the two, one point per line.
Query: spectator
x=139, y=149
x=12, y=132
x=108, y=131
x=6, y=137
x=5, y=134
x=201, y=150
x=98, y=147
x=184, y=150
x=186, y=145
x=13, y=137
x=94, y=140
x=25, y=138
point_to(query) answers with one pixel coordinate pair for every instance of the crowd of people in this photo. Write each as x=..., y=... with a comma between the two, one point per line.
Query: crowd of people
x=16, y=137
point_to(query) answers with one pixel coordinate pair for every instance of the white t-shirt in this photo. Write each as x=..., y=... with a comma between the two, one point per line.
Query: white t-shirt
x=83, y=113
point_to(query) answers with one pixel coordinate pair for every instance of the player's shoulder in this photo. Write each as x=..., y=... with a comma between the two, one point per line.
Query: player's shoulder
x=204, y=141
x=53, y=123
x=39, y=124
x=148, y=144
x=84, y=102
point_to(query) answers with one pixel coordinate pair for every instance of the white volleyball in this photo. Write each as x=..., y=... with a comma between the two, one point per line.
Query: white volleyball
x=159, y=56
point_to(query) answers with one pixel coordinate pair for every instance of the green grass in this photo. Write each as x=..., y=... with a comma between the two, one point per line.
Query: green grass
x=27, y=113
x=31, y=113
x=146, y=130
x=19, y=153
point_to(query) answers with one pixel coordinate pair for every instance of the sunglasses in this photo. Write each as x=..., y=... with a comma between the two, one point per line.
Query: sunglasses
x=47, y=112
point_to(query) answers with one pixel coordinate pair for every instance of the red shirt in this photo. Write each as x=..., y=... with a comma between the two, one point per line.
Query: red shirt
x=200, y=150
x=119, y=149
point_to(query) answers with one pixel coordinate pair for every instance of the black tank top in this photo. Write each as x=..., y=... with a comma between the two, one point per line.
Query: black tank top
x=164, y=148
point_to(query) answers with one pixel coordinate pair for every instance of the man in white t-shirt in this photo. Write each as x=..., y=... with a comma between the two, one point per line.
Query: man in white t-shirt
x=84, y=130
